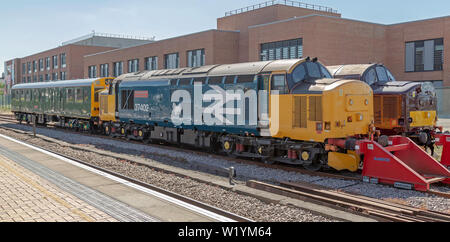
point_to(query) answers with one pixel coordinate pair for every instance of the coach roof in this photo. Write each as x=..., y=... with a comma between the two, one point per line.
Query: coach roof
x=249, y=68
x=69, y=83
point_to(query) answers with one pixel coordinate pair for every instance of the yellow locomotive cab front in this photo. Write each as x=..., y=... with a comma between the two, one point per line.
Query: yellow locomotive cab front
x=343, y=109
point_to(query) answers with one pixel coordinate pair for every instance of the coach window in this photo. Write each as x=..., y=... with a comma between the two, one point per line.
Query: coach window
x=279, y=84
x=70, y=95
x=86, y=95
x=78, y=96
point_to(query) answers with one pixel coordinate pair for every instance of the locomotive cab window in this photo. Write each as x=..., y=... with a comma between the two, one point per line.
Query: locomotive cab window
x=128, y=99
x=308, y=72
x=390, y=76
x=382, y=75
x=371, y=77
x=279, y=84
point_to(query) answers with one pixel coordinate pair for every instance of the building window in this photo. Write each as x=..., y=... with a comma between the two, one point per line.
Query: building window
x=55, y=61
x=425, y=55
x=92, y=71
x=151, y=63
x=172, y=61
x=196, y=58
x=63, y=60
x=63, y=75
x=133, y=65
x=41, y=78
x=118, y=69
x=47, y=63
x=47, y=77
x=34, y=78
x=29, y=67
x=287, y=49
x=104, y=70
x=41, y=64
x=34, y=66
x=55, y=76
x=24, y=68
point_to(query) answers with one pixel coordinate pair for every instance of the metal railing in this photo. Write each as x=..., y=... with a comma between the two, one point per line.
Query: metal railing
x=282, y=2
x=94, y=34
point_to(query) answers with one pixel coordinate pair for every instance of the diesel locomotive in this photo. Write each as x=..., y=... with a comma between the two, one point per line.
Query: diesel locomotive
x=400, y=108
x=289, y=111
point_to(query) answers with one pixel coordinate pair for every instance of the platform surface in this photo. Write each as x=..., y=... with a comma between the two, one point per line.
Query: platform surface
x=35, y=186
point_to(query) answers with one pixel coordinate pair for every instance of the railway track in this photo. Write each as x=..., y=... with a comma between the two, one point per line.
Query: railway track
x=377, y=209
x=347, y=177
x=166, y=195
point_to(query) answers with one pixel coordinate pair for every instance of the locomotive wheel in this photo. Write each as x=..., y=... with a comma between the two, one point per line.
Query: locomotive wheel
x=314, y=166
x=228, y=147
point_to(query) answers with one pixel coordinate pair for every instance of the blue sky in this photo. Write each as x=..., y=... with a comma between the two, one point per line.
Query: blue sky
x=31, y=26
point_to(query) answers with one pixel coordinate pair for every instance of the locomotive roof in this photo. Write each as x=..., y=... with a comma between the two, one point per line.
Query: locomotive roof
x=349, y=70
x=249, y=68
x=69, y=83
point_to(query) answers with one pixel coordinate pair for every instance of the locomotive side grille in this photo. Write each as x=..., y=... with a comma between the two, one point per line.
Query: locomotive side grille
x=103, y=104
x=390, y=107
x=299, y=112
x=377, y=109
x=315, y=108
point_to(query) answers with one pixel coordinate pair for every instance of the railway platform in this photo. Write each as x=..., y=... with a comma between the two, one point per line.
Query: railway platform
x=36, y=186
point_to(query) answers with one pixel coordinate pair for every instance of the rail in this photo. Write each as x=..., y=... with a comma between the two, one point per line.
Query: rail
x=282, y=2
x=375, y=208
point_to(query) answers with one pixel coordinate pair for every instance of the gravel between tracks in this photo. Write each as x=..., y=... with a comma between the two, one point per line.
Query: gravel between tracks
x=189, y=160
x=246, y=206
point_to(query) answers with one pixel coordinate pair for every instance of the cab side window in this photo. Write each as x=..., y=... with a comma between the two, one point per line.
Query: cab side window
x=279, y=84
x=371, y=77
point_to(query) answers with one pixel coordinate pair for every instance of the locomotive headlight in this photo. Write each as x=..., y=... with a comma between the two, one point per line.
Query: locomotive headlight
x=366, y=102
x=429, y=115
x=413, y=94
x=360, y=117
x=350, y=102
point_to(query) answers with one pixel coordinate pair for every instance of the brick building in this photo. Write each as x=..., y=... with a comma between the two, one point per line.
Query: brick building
x=65, y=62
x=414, y=51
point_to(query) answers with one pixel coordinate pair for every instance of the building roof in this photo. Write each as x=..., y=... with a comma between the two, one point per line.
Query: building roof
x=109, y=40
